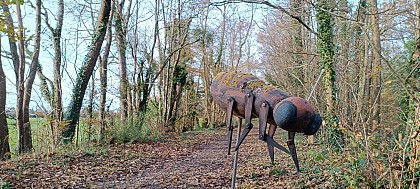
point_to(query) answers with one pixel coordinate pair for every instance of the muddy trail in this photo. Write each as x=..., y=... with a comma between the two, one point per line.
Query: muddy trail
x=194, y=160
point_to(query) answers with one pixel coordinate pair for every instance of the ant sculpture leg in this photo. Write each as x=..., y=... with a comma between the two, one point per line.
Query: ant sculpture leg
x=292, y=148
x=229, y=111
x=271, y=143
x=271, y=132
x=249, y=101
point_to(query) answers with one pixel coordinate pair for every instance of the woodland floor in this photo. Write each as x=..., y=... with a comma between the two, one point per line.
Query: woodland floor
x=195, y=160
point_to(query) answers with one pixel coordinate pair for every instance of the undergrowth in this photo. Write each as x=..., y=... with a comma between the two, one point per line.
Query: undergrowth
x=134, y=130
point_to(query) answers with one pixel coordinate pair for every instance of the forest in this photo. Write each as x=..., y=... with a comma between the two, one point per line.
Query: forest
x=117, y=93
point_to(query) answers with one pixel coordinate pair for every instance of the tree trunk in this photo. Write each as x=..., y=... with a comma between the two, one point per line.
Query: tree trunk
x=4, y=130
x=31, y=77
x=55, y=98
x=376, y=64
x=58, y=105
x=297, y=47
x=361, y=41
x=90, y=108
x=23, y=125
x=103, y=77
x=325, y=47
x=121, y=34
x=73, y=113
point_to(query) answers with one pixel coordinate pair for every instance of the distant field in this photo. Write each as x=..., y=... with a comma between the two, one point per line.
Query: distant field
x=42, y=139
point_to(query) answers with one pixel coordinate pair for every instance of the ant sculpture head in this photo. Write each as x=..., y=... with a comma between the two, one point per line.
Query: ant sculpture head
x=295, y=114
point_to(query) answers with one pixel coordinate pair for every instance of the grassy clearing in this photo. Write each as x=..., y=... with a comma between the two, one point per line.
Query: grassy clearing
x=43, y=135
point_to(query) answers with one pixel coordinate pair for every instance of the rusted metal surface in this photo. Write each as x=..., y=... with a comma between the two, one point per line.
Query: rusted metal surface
x=237, y=85
x=245, y=96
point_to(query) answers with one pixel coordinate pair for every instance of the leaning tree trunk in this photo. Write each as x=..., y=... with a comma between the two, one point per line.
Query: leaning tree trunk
x=4, y=131
x=73, y=113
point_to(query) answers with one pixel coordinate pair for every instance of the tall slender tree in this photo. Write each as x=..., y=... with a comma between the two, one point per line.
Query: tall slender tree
x=31, y=78
x=297, y=47
x=121, y=23
x=376, y=62
x=57, y=105
x=72, y=115
x=103, y=76
x=325, y=48
x=23, y=85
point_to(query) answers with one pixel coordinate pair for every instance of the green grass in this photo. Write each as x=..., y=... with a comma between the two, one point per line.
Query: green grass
x=43, y=137
x=40, y=133
x=133, y=131
x=11, y=123
x=86, y=136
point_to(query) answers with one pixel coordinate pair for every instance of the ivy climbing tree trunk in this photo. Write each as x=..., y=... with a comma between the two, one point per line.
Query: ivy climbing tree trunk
x=121, y=33
x=4, y=131
x=325, y=48
x=297, y=48
x=413, y=80
x=72, y=115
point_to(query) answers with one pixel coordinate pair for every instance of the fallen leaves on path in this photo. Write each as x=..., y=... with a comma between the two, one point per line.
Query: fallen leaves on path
x=195, y=160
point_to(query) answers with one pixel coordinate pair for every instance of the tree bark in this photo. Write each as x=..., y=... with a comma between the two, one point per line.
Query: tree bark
x=362, y=78
x=325, y=47
x=31, y=77
x=58, y=105
x=297, y=47
x=103, y=77
x=376, y=63
x=73, y=113
x=23, y=125
x=121, y=34
x=4, y=130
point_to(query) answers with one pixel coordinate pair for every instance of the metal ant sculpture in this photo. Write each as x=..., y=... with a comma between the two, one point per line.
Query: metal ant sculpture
x=247, y=97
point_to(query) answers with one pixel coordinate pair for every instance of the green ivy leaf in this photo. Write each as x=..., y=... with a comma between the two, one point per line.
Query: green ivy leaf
x=320, y=158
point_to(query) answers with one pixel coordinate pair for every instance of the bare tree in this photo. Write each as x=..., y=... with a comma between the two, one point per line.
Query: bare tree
x=376, y=63
x=24, y=85
x=73, y=113
x=56, y=101
x=121, y=23
x=31, y=77
x=103, y=76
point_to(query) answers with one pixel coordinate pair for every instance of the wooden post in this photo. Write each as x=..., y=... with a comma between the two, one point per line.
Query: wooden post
x=311, y=137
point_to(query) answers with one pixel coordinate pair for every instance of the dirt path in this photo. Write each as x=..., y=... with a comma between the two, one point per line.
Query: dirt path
x=196, y=160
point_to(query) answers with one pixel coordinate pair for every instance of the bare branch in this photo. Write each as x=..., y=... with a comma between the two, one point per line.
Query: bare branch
x=269, y=4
